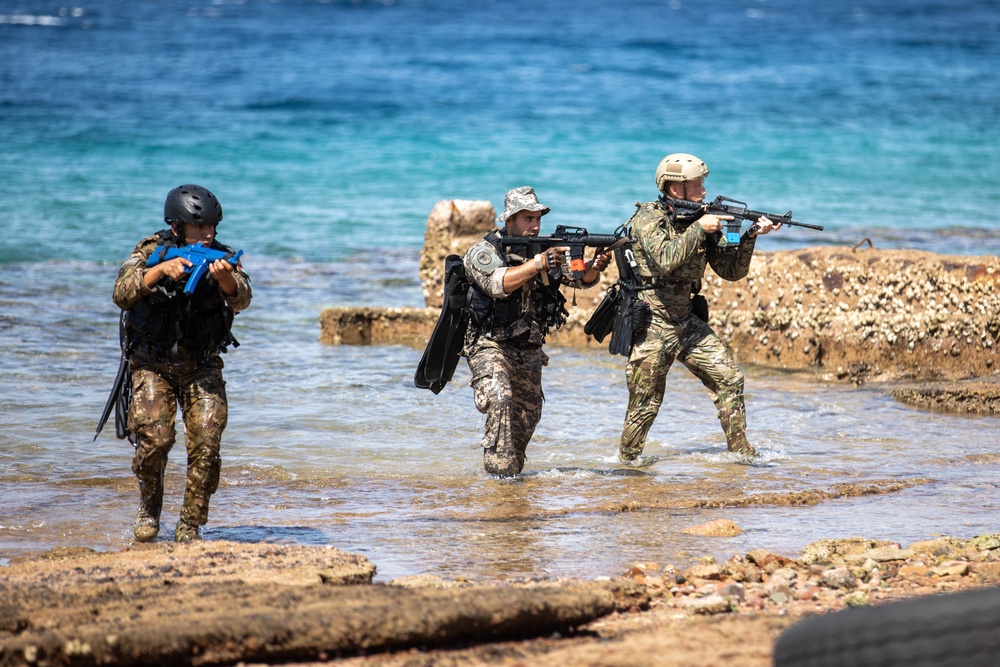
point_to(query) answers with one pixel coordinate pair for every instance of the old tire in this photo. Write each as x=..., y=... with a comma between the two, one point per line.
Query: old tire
x=960, y=629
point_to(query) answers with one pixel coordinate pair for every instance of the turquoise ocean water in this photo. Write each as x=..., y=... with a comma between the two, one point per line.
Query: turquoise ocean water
x=330, y=129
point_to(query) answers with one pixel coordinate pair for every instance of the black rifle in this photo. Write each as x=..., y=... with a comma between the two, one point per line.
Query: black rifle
x=576, y=238
x=740, y=212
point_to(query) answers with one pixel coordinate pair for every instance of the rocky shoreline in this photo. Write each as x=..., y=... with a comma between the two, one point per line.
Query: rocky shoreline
x=214, y=603
x=924, y=326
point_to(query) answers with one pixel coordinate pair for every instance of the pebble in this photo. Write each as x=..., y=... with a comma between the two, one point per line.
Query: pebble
x=831, y=574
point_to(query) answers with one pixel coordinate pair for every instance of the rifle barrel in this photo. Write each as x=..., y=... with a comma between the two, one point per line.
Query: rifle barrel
x=753, y=215
x=740, y=213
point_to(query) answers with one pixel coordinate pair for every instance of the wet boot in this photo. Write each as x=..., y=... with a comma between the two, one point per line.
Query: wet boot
x=186, y=532
x=739, y=444
x=146, y=527
x=501, y=463
x=628, y=455
x=147, y=520
x=734, y=426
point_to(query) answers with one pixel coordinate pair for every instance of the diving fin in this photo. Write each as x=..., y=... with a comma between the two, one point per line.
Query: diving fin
x=600, y=322
x=444, y=347
x=116, y=391
x=120, y=397
x=621, y=331
x=622, y=326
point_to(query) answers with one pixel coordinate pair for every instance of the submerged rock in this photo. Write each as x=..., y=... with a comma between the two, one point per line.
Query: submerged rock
x=715, y=528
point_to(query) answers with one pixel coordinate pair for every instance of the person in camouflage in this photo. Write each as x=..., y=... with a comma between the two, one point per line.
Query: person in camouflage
x=671, y=251
x=513, y=305
x=174, y=341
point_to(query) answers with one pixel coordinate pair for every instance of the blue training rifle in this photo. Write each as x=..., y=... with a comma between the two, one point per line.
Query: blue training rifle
x=200, y=257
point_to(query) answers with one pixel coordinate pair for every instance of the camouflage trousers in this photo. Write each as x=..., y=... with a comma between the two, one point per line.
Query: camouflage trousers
x=695, y=345
x=157, y=389
x=507, y=387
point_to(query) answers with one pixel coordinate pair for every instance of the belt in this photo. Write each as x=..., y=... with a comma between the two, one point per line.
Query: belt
x=674, y=286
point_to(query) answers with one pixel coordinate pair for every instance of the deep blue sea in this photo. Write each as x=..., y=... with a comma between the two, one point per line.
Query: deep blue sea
x=329, y=130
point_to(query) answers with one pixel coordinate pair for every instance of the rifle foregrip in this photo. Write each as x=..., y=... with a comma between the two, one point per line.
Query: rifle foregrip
x=599, y=240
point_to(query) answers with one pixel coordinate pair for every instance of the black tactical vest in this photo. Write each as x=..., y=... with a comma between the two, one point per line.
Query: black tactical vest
x=495, y=318
x=168, y=318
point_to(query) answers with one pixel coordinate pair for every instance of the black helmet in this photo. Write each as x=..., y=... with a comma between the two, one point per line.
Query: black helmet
x=191, y=204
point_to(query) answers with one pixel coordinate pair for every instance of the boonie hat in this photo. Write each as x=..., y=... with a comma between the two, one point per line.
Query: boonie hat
x=521, y=199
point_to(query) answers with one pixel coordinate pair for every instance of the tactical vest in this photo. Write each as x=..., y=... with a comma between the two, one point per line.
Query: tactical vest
x=495, y=318
x=690, y=272
x=168, y=318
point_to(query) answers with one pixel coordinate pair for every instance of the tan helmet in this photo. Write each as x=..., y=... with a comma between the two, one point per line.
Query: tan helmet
x=679, y=167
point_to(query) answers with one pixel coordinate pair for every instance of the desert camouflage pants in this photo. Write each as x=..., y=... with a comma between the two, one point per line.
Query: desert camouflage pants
x=157, y=389
x=695, y=345
x=507, y=386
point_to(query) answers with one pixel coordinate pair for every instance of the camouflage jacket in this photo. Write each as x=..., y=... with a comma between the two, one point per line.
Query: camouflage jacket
x=672, y=253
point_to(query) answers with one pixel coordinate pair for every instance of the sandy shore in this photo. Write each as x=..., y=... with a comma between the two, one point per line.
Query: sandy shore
x=219, y=602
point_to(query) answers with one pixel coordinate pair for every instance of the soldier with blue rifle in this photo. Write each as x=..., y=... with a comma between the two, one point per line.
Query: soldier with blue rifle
x=174, y=340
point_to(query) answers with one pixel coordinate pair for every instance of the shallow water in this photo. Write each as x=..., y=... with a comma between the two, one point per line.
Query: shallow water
x=329, y=130
x=334, y=445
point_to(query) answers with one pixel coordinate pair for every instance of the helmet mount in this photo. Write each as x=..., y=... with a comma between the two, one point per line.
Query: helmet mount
x=679, y=168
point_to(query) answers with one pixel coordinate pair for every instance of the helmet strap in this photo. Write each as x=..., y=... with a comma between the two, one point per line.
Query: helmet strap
x=178, y=233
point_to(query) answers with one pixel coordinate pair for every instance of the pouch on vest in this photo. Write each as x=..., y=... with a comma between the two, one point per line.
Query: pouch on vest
x=642, y=316
x=699, y=306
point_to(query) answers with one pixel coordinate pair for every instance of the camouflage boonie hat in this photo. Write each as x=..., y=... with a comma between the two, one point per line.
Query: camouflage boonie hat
x=521, y=199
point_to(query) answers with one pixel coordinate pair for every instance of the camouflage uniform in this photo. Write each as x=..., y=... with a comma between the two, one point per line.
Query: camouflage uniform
x=672, y=253
x=160, y=381
x=506, y=360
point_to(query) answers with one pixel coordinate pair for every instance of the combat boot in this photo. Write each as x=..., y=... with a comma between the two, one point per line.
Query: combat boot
x=734, y=424
x=739, y=444
x=147, y=520
x=146, y=527
x=185, y=532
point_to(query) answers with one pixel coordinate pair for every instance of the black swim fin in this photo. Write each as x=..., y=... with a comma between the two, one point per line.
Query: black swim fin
x=112, y=403
x=444, y=348
x=120, y=397
x=600, y=323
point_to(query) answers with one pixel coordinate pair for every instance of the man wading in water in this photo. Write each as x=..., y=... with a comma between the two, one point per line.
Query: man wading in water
x=672, y=250
x=513, y=306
